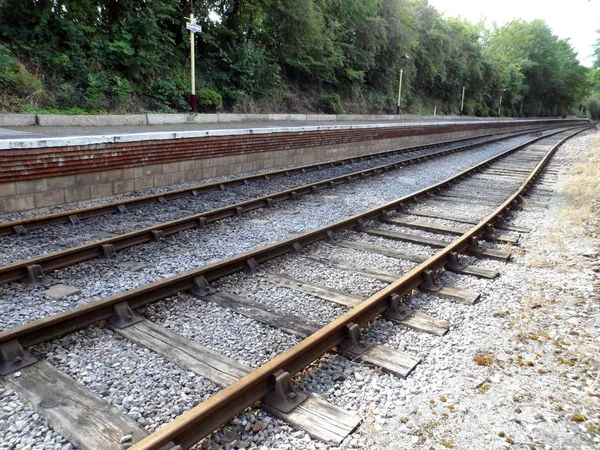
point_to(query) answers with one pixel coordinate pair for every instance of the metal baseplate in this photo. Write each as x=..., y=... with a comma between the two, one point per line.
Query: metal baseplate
x=429, y=282
x=284, y=397
x=251, y=267
x=353, y=346
x=330, y=237
x=35, y=276
x=20, y=230
x=108, y=251
x=74, y=219
x=396, y=310
x=13, y=357
x=123, y=316
x=454, y=262
x=202, y=287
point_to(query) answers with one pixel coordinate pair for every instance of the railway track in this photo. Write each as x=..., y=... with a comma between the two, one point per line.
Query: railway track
x=263, y=288
x=23, y=226
x=257, y=180
x=32, y=269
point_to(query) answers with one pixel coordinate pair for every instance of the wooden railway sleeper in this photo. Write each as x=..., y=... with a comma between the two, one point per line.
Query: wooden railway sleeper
x=170, y=446
x=124, y=316
x=284, y=397
x=13, y=357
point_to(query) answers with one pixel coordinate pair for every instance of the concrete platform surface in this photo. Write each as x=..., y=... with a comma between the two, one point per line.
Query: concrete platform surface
x=36, y=131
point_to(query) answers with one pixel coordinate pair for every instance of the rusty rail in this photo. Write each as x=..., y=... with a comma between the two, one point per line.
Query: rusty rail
x=64, y=258
x=32, y=223
x=82, y=316
x=202, y=420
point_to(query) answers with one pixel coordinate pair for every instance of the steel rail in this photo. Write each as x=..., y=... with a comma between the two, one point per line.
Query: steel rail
x=191, y=427
x=8, y=228
x=19, y=270
x=63, y=323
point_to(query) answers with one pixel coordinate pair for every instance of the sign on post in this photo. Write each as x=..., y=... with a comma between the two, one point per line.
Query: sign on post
x=194, y=27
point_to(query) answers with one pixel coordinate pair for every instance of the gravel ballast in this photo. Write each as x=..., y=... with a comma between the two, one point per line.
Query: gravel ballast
x=193, y=248
x=395, y=411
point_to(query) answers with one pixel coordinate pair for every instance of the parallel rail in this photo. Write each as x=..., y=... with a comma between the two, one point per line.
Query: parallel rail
x=78, y=318
x=53, y=261
x=194, y=425
x=33, y=223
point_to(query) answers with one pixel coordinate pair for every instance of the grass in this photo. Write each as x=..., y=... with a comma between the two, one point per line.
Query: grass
x=582, y=189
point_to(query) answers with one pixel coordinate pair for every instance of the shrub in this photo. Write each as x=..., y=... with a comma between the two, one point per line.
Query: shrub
x=208, y=99
x=15, y=80
x=333, y=104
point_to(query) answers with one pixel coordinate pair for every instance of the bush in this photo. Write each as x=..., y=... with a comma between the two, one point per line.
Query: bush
x=333, y=104
x=15, y=80
x=168, y=94
x=208, y=99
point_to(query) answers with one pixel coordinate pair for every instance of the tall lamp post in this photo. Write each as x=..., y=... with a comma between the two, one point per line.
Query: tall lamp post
x=405, y=58
x=500, y=105
x=521, y=107
x=194, y=28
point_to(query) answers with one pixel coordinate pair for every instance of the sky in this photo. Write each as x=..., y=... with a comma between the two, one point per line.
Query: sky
x=577, y=20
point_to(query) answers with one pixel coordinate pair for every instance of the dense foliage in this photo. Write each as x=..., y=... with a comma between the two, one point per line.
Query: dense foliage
x=331, y=56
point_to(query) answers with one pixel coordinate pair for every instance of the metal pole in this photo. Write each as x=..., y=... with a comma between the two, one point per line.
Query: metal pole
x=581, y=112
x=521, y=107
x=462, y=101
x=435, y=110
x=540, y=111
x=568, y=110
x=399, y=91
x=193, y=62
x=500, y=105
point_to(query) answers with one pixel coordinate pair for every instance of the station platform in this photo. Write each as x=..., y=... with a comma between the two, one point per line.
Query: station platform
x=41, y=167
